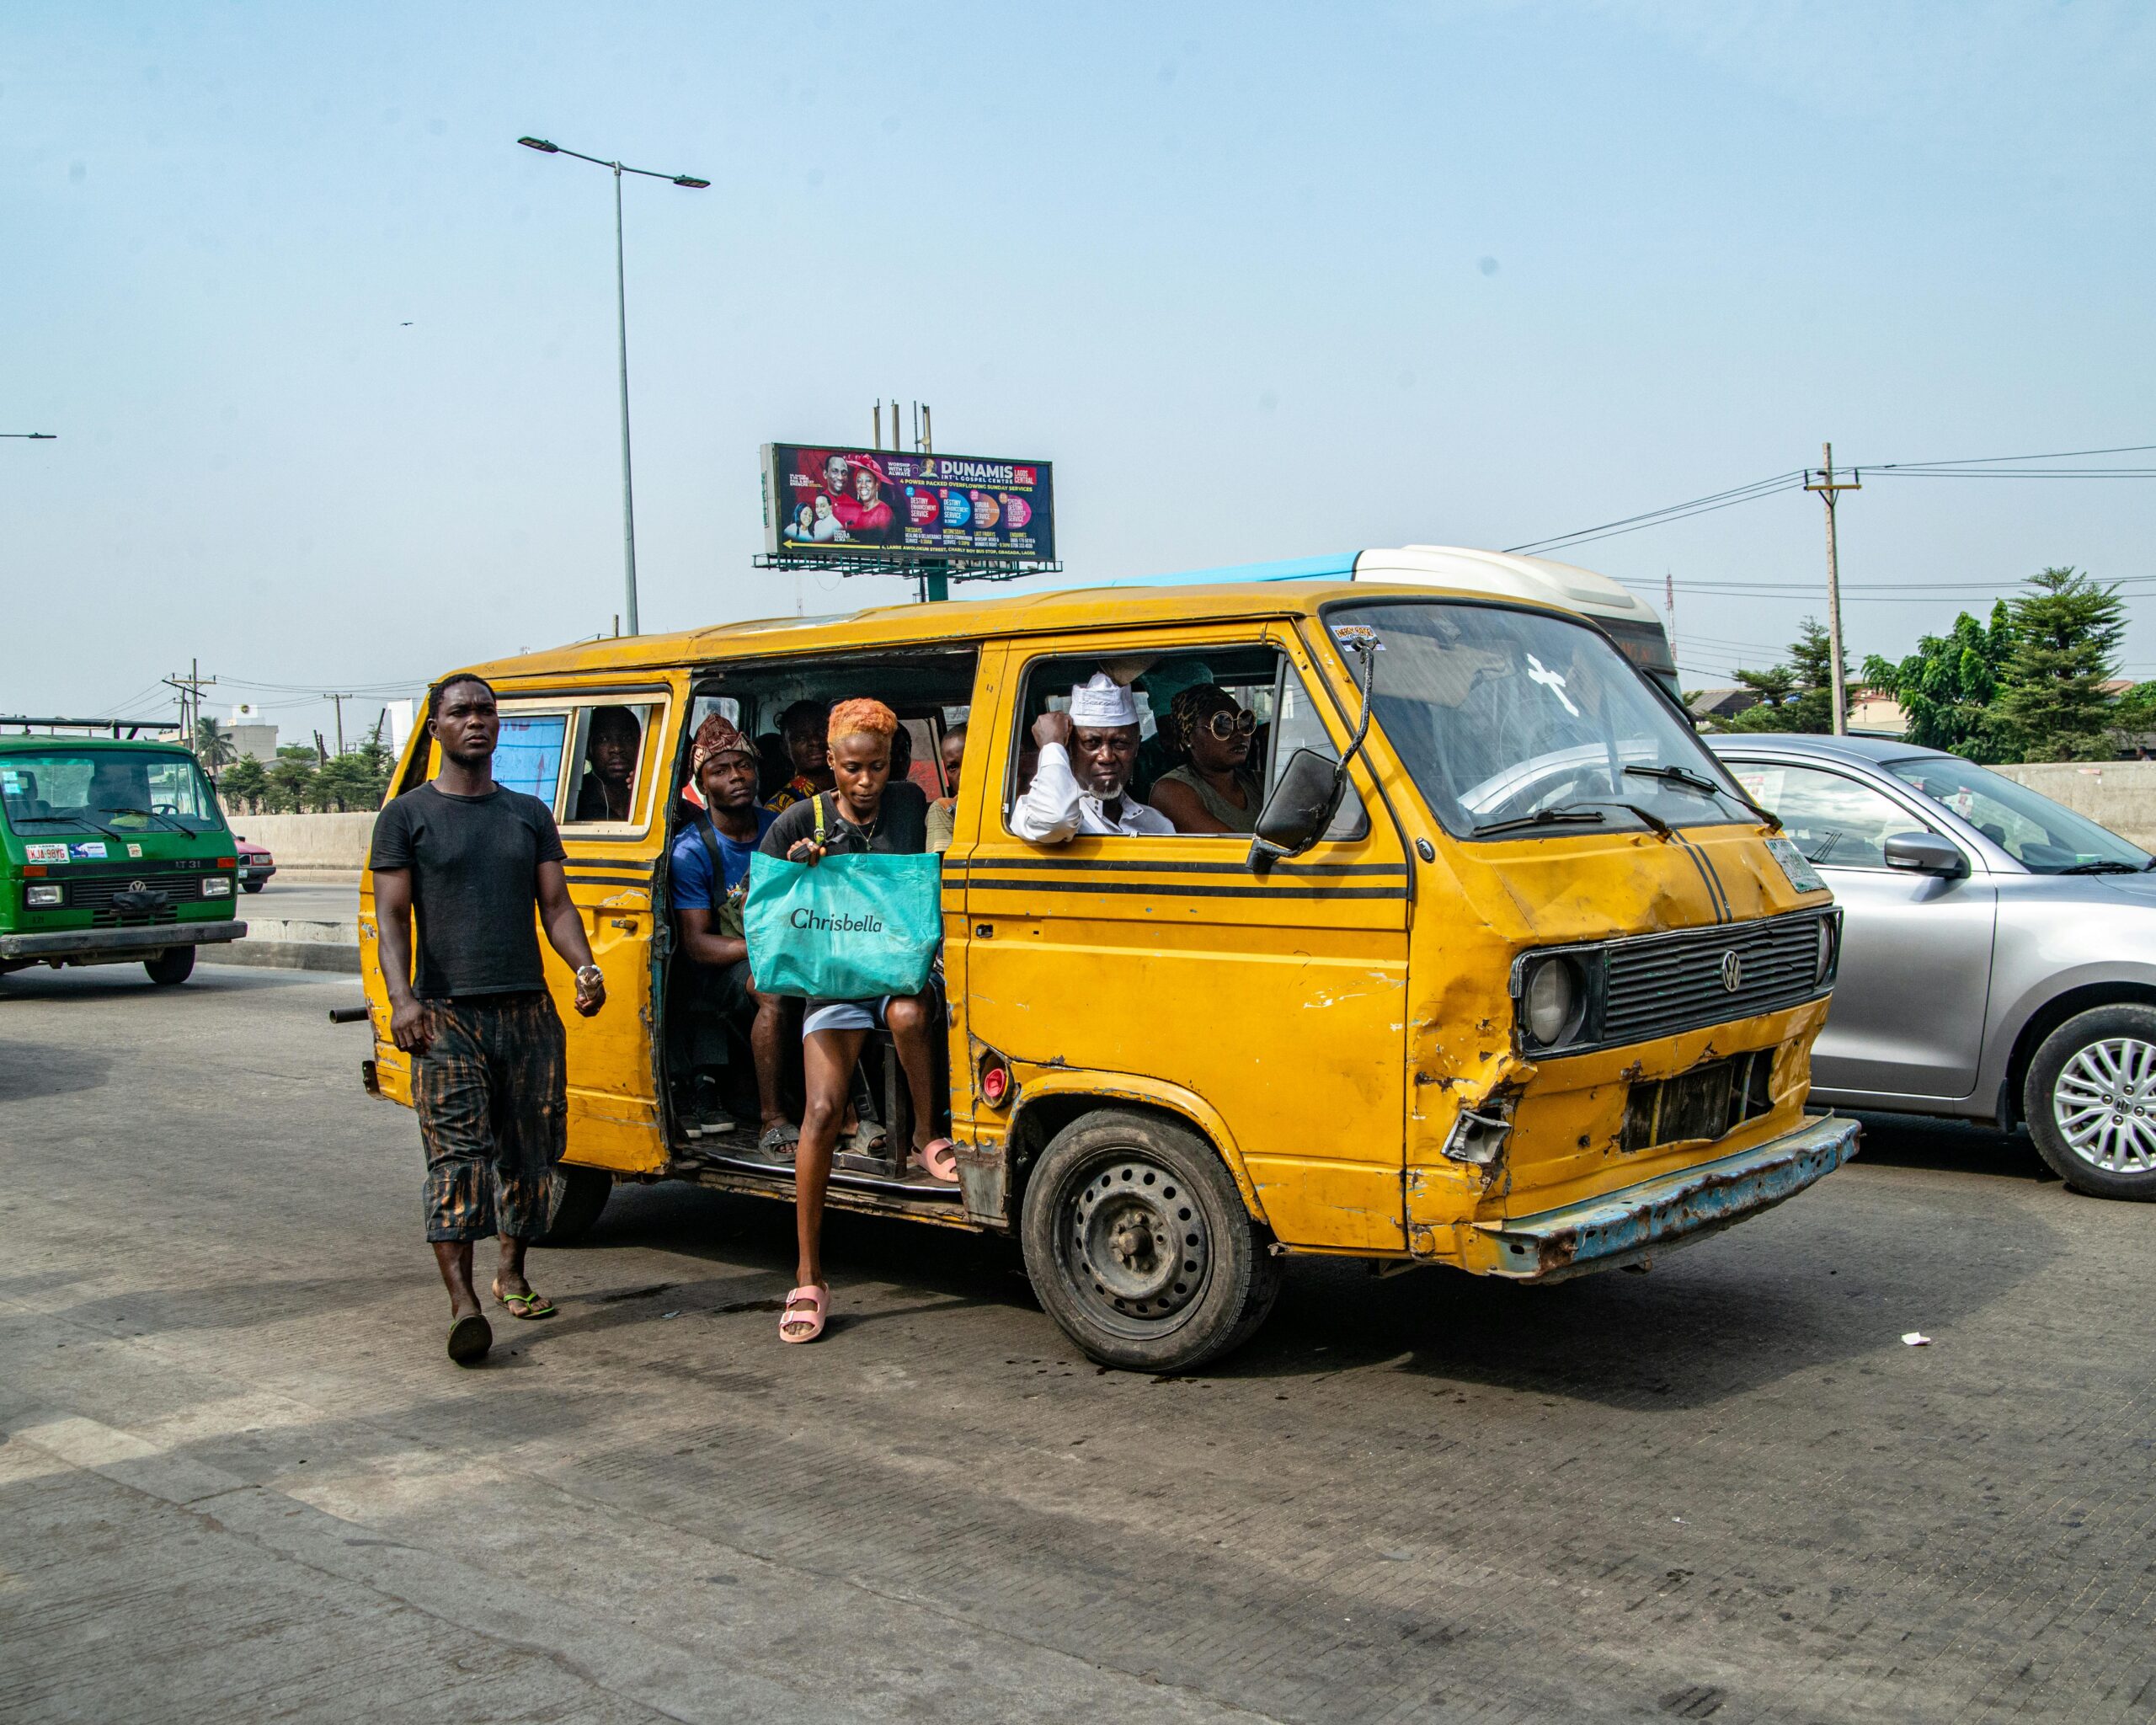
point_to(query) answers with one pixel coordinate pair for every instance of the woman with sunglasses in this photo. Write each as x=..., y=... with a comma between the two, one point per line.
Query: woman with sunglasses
x=1214, y=790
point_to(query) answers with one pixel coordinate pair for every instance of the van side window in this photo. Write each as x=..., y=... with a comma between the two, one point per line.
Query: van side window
x=608, y=772
x=528, y=756
x=1214, y=725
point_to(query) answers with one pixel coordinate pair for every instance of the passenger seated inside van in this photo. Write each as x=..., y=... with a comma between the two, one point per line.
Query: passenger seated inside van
x=717, y=1011
x=1214, y=789
x=801, y=726
x=943, y=813
x=1086, y=755
x=614, y=741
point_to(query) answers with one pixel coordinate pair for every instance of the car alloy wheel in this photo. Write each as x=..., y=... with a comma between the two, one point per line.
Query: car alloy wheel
x=2104, y=1102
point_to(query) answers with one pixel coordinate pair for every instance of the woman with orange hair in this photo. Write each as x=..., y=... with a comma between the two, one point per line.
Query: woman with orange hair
x=867, y=811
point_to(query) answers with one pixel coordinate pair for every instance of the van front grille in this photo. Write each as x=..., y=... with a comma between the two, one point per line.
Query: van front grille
x=1678, y=982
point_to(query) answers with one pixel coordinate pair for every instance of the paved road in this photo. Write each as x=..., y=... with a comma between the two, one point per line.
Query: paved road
x=239, y=1481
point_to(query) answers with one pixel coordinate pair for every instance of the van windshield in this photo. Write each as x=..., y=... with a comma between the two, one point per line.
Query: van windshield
x=1522, y=724
x=55, y=791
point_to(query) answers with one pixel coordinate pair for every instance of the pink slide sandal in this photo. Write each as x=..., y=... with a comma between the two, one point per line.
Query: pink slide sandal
x=804, y=1305
x=938, y=1159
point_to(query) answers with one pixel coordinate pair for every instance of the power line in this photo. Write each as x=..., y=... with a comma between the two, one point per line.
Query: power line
x=1978, y=461
x=1675, y=512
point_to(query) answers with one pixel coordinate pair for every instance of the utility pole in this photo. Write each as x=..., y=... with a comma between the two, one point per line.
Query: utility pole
x=191, y=688
x=1669, y=605
x=1823, y=482
x=337, y=700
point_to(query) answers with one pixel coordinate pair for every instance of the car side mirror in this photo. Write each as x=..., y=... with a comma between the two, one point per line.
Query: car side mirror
x=1926, y=853
x=1300, y=809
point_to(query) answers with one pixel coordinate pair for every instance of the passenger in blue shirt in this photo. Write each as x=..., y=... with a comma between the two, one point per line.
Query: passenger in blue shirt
x=710, y=872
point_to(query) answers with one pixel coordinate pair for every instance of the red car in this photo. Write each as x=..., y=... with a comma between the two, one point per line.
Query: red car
x=256, y=865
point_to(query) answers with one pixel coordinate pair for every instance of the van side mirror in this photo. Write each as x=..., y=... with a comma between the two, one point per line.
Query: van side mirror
x=1926, y=853
x=1301, y=807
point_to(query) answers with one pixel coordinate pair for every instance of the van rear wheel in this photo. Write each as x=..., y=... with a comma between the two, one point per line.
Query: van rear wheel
x=578, y=1195
x=1139, y=1246
x=174, y=964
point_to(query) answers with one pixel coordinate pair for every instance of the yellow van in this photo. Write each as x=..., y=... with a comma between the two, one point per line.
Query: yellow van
x=1510, y=977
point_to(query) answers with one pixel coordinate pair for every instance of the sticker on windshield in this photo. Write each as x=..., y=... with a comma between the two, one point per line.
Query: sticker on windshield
x=45, y=853
x=94, y=851
x=1551, y=680
x=1795, y=865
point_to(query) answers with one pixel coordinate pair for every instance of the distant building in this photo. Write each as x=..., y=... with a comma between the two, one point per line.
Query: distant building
x=254, y=742
x=1874, y=712
x=1721, y=704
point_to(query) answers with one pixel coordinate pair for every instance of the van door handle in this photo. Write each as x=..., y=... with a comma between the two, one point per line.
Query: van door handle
x=983, y=931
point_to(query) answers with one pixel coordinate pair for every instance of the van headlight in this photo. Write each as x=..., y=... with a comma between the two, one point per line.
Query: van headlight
x=39, y=897
x=1550, y=999
x=216, y=887
x=1829, y=932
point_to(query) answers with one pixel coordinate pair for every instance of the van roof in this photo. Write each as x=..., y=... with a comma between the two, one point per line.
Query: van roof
x=911, y=625
x=16, y=743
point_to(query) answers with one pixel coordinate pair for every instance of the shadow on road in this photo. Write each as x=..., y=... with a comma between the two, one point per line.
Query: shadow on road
x=34, y=1069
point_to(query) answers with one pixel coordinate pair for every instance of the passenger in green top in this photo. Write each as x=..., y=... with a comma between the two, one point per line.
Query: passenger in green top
x=1214, y=790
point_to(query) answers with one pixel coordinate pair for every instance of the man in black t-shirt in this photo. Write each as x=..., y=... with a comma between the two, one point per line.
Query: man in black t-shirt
x=469, y=862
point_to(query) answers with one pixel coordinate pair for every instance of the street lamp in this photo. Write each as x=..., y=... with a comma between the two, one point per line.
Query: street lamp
x=621, y=321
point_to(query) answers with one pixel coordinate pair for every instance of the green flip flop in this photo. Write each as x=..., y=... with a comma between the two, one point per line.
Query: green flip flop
x=469, y=1338
x=525, y=1306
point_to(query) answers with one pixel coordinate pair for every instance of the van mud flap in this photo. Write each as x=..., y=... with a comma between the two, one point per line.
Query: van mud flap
x=1627, y=1226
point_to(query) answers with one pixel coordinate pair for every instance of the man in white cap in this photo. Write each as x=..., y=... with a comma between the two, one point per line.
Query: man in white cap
x=1086, y=755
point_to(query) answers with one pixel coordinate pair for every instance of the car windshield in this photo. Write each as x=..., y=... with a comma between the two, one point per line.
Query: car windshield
x=2042, y=836
x=54, y=791
x=1515, y=722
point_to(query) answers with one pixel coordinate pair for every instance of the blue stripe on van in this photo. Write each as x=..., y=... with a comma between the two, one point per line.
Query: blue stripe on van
x=1337, y=566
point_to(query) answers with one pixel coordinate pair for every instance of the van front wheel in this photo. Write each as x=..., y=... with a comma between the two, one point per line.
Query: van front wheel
x=174, y=964
x=1139, y=1244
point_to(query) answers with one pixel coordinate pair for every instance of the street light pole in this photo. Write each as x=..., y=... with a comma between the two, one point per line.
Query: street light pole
x=622, y=326
x=622, y=330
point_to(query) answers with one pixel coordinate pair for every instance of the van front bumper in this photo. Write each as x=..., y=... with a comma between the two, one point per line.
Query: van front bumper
x=94, y=944
x=1629, y=1224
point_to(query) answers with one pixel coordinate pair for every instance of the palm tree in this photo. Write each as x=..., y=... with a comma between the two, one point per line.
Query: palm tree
x=214, y=746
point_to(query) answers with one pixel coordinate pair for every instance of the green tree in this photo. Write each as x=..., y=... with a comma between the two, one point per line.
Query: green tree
x=1949, y=687
x=214, y=746
x=2067, y=630
x=1798, y=695
x=242, y=786
x=291, y=779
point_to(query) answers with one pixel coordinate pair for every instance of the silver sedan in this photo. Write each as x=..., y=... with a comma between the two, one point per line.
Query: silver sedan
x=1999, y=951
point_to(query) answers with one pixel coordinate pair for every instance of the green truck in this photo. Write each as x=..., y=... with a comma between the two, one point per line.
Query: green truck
x=112, y=851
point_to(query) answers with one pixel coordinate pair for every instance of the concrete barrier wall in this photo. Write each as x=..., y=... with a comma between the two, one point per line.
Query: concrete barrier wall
x=323, y=841
x=2120, y=794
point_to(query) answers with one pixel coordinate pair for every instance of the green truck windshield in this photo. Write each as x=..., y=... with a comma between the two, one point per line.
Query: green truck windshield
x=111, y=790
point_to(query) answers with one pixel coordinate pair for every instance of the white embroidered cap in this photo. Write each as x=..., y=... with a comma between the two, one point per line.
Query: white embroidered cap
x=1102, y=703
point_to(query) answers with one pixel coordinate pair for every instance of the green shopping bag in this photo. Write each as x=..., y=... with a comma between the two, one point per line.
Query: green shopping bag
x=847, y=928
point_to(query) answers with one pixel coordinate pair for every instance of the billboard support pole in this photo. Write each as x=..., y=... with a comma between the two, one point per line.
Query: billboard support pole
x=935, y=582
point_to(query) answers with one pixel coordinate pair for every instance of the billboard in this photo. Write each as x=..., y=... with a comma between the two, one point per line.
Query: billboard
x=820, y=500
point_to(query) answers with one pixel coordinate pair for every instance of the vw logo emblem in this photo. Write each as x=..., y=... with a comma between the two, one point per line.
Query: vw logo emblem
x=1732, y=972
x=135, y=886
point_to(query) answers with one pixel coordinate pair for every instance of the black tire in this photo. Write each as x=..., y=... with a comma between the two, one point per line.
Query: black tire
x=174, y=964
x=253, y=886
x=2091, y=1102
x=1099, y=1212
x=580, y=1195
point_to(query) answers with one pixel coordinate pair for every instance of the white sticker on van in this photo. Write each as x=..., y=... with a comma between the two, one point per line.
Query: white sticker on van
x=45, y=853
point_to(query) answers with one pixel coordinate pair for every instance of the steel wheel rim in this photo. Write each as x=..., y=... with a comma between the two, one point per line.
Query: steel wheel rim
x=2104, y=1103
x=1134, y=1244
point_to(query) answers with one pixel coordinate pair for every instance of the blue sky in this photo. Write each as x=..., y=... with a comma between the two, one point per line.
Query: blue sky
x=332, y=360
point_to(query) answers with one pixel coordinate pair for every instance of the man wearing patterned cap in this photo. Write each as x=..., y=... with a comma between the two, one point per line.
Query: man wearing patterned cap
x=709, y=870
x=1087, y=755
